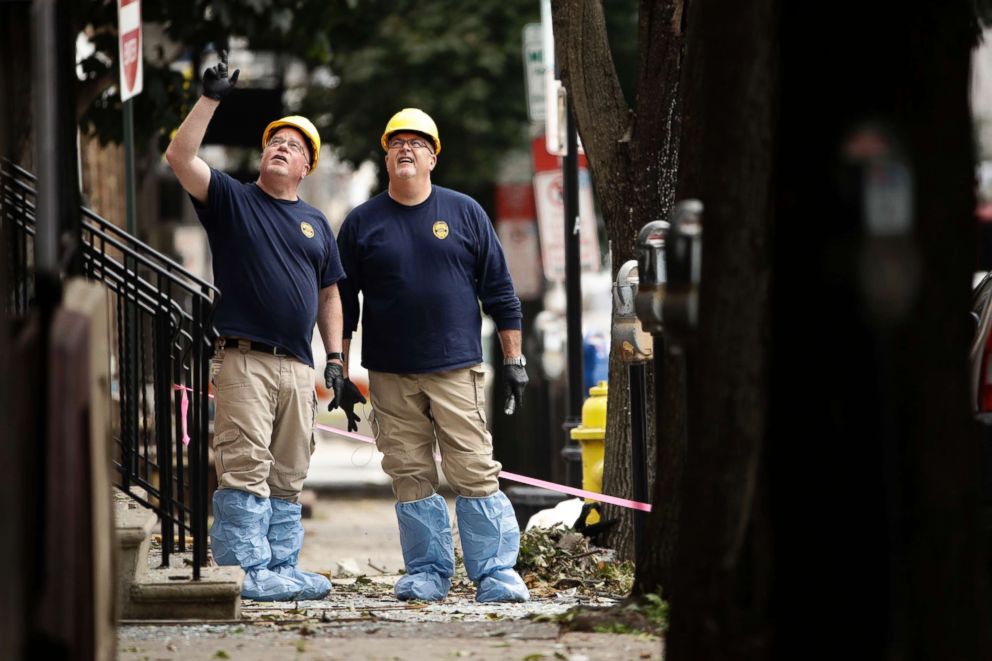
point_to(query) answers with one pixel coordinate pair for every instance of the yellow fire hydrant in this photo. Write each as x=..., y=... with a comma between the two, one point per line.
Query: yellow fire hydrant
x=591, y=435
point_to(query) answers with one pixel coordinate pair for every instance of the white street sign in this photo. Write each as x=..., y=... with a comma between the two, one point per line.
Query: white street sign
x=534, y=69
x=129, y=48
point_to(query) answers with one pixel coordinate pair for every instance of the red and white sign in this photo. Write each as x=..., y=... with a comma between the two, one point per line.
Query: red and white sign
x=516, y=227
x=129, y=46
x=549, y=196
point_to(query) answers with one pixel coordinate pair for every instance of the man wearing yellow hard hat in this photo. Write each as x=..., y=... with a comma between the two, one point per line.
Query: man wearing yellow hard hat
x=424, y=257
x=276, y=264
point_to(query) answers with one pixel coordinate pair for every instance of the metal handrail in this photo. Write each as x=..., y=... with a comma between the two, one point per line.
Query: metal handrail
x=164, y=334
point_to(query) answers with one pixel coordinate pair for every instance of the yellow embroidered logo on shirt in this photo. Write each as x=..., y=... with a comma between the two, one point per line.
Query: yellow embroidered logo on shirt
x=307, y=229
x=440, y=229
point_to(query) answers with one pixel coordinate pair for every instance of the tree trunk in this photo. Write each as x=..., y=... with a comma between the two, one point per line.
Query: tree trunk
x=632, y=157
x=832, y=469
x=887, y=474
x=719, y=603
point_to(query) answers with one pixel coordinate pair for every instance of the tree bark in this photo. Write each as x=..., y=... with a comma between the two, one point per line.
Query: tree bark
x=632, y=157
x=832, y=470
x=719, y=603
x=887, y=466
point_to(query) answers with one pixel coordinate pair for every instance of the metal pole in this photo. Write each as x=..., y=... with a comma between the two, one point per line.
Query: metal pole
x=573, y=300
x=638, y=451
x=47, y=155
x=129, y=203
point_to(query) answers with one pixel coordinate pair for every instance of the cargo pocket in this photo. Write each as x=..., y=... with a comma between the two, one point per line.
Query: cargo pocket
x=313, y=422
x=479, y=382
x=232, y=453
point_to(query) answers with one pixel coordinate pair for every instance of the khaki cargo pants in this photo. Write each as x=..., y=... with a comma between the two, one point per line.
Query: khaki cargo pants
x=263, y=424
x=410, y=409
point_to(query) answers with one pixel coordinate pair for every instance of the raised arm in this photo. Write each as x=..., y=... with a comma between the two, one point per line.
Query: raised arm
x=191, y=170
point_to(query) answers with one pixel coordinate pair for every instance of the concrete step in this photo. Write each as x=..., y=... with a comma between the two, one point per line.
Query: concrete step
x=149, y=591
x=170, y=593
x=134, y=527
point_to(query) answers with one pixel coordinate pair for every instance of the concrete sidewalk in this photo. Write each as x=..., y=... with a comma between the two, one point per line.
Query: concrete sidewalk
x=362, y=620
x=341, y=463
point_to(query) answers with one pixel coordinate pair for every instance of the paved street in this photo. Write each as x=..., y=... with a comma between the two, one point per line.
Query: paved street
x=362, y=620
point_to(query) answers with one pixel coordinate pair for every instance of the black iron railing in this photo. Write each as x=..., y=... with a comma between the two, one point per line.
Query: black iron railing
x=160, y=344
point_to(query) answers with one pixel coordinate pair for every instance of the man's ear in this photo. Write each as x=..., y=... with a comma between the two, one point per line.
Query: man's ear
x=433, y=161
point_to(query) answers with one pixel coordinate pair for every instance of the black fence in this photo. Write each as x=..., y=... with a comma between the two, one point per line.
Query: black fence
x=160, y=344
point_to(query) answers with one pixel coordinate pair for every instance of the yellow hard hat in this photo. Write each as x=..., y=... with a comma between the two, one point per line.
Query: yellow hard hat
x=412, y=119
x=304, y=126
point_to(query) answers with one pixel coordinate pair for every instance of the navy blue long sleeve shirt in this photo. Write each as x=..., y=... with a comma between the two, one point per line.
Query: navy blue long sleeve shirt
x=423, y=271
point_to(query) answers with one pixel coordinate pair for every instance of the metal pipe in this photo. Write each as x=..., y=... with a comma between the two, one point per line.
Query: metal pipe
x=638, y=450
x=129, y=197
x=47, y=156
x=573, y=300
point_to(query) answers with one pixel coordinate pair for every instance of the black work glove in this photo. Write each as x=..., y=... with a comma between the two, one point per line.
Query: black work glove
x=216, y=84
x=516, y=380
x=350, y=395
x=334, y=380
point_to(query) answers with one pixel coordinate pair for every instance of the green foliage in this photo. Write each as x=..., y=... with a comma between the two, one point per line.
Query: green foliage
x=621, y=28
x=460, y=62
x=295, y=28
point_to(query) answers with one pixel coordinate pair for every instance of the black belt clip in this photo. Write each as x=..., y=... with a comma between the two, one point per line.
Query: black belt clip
x=255, y=345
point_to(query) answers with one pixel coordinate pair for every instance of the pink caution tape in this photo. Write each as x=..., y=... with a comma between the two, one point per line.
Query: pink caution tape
x=523, y=479
x=581, y=493
x=346, y=434
x=184, y=409
x=551, y=486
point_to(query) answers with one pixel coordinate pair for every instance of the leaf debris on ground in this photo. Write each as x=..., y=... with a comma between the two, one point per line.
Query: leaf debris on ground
x=552, y=560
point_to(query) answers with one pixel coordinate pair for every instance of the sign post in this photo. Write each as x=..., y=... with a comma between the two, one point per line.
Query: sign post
x=131, y=82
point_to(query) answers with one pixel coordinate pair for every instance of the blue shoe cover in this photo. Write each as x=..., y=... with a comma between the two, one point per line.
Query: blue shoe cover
x=502, y=585
x=490, y=543
x=238, y=534
x=428, y=550
x=239, y=537
x=285, y=541
x=425, y=585
x=262, y=584
x=315, y=586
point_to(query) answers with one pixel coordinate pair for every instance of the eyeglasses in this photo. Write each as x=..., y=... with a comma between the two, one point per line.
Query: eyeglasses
x=293, y=146
x=415, y=143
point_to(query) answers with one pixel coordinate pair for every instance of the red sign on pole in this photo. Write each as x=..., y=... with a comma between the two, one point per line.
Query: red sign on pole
x=129, y=45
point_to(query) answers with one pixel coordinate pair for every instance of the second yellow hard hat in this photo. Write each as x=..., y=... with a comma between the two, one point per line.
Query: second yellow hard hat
x=412, y=119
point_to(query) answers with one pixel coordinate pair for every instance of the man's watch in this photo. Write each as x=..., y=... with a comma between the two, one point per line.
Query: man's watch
x=518, y=360
x=335, y=354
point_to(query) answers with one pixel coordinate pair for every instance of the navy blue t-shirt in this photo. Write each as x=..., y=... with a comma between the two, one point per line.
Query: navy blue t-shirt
x=423, y=271
x=270, y=258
